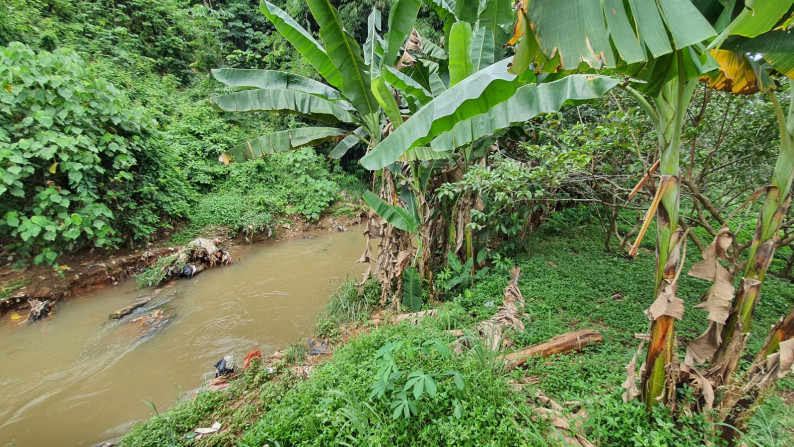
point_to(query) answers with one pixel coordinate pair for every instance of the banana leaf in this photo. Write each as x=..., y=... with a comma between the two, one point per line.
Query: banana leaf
x=282, y=141
x=470, y=97
x=346, y=56
x=235, y=77
x=290, y=101
x=401, y=22
x=527, y=102
x=303, y=42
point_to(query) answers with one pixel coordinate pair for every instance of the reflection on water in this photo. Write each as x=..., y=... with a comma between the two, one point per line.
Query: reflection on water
x=78, y=378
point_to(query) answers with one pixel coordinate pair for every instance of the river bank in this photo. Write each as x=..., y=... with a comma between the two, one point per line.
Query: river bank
x=91, y=270
x=90, y=377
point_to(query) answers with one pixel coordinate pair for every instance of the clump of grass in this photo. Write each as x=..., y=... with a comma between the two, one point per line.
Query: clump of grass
x=157, y=272
x=8, y=288
x=295, y=354
x=345, y=305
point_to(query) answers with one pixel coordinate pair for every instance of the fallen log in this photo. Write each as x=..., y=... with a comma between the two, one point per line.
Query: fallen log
x=128, y=310
x=561, y=344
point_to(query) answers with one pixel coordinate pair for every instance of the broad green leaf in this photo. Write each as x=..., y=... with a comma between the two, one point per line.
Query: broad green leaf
x=401, y=22
x=384, y=97
x=434, y=51
x=423, y=153
x=371, y=56
x=467, y=10
x=758, y=17
x=782, y=62
x=444, y=9
x=235, y=77
x=460, y=64
x=412, y=290
x=283, y=141
x=347, y=142
x=396, y=216
x=482, y=49
x=497, y=18
x=686, y=25
x=472, y=96
x=527, y=102
x=584, y=31
x=303, y=42
x=407, y=85
x=346, y=56
x=623, y=34
x=269, y=100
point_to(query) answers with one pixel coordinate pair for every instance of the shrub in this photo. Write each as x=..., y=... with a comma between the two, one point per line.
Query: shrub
x=79, y=162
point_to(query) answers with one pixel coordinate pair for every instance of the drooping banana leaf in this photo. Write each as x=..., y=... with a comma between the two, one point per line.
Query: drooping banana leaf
x=470, y=97
x=397, y=216
x=460, y=64
x=290, y=101
x=235, y=77
x=434, y=51
x=527, y=102
x=583, y=31
x=346, y=56
x=401, y=22
x=282, y=141
x=347, y=143
x=303, y=42
x=384, y=97
x=424, y=153
x=407, y=85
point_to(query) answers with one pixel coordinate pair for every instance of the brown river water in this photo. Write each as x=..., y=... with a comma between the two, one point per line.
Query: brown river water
x=77, y=378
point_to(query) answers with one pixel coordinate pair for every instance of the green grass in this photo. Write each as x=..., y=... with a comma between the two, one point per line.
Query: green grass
x=8, y=288
x=569, y=282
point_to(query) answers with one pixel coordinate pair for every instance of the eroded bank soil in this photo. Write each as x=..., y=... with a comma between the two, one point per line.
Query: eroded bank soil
x=90, y=270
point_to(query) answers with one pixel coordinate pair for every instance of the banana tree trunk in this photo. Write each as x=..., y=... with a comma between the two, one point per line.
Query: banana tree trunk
x=739, y=405
x=762, y=250
x=658, y=376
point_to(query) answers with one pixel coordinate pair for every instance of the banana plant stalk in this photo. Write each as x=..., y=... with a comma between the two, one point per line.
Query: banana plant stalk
x=776, y=203
x=667, y=113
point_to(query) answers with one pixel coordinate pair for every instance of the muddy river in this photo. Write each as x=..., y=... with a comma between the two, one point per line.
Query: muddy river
x=77, y=378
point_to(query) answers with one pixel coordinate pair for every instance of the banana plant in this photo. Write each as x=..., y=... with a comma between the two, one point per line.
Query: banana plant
x=659, y=45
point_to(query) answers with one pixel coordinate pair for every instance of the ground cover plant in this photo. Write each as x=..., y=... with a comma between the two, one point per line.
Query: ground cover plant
x=348, y=397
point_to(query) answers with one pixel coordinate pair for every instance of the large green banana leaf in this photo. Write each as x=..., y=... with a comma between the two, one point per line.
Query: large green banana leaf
x=528, y=102
x=291, y=101
x=408, y=86
x=384, y=97
x=497, y=18
x=397, y=216
x=467, y=10
x=283, y=141
x=235, y=77
x=584, y=31
x=373, y=46
x=460, y=64
x=303, y=42
x=346, y=56
x=470, y=97
x=482, y=49
x=348, y=142
x=401, y=22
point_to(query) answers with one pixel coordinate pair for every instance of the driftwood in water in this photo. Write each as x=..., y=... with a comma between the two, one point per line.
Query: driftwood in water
x=142, y=302
x=128, y=310
x=561, y=344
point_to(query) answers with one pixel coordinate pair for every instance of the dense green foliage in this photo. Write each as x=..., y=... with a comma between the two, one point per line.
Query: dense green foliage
x=108, y=138
x=81, y=163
